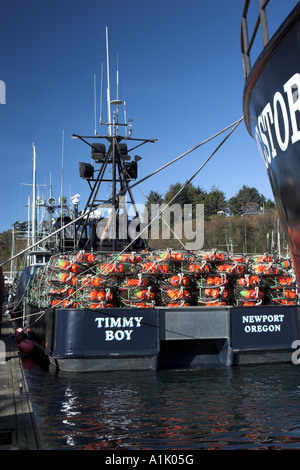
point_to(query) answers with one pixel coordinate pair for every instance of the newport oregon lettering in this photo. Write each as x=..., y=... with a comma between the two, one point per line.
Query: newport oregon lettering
x=262, y=323
x=122, y=323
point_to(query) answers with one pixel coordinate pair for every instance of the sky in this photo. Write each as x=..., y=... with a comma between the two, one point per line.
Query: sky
x=180, y=73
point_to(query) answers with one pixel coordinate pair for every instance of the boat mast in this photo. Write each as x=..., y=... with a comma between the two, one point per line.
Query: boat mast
x=108, y=85
x=116, y=168
x=62, y=186
x=33, y=230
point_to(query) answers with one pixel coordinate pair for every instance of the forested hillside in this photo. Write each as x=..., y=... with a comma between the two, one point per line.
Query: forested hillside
x=12, y=244
x=247, y=222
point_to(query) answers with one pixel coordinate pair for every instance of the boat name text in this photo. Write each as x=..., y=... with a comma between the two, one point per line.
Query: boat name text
x=120, y=322
x=262, y=323
x=272, y=132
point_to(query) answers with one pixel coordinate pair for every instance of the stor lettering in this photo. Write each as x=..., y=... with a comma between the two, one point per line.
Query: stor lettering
x=277, y=124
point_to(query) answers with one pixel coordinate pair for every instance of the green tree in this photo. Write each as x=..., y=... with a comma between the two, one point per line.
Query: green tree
x=244, y=198
x=154, y=197
x=179, y=194
x=197, y=195
x=269, y=204
x=215, y=201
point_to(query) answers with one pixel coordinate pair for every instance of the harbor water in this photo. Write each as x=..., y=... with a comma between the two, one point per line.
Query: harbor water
x=243, y=407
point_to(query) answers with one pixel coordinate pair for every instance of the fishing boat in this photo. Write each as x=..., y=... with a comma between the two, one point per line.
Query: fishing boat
x=106, y=301
x=271, y=106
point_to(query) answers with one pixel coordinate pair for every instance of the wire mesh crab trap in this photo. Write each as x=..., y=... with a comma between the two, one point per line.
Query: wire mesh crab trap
x=137, y=291
x=283, y=290
x=162, y=278
x=176, y=290
x=213, y=290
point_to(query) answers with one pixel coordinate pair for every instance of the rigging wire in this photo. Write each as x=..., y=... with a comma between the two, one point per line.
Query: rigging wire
x=86, y=214
x=236, y=124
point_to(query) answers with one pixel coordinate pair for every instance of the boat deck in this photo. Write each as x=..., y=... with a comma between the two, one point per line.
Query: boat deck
x=18, y=429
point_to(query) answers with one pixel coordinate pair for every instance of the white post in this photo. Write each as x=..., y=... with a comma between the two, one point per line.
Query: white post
x=108, y=86
x=33, y=231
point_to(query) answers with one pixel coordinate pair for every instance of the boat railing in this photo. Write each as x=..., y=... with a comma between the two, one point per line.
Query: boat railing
x=246, y=41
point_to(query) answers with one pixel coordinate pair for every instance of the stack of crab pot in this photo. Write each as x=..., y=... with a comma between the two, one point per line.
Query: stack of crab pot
x=269, y=282
x=136, y=288
x=162, y=278
x=248, y=287
x=176, y=283
x=279, y=280
x=58, y=282
x=211, y=279
x=98, y=288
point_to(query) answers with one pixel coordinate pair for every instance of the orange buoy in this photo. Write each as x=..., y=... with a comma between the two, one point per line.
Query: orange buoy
x=174, y=293
x=215, y=292
x=145, y=294
x=290, y=294
x=85, y=257
x=239, y=268
x=63, y=264
x=97, y=281
x=75, y=268
x=178, y=304
x=93, y=294
x=64, y=277
x=89, y=257
x=175, y=280
x=254, y=280
x=252, y=294
x=223, y=267
x=172, y=256
x=101, y=295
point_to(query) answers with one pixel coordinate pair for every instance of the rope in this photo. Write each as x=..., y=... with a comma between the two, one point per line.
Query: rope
x=236, y=124
x=86, y=214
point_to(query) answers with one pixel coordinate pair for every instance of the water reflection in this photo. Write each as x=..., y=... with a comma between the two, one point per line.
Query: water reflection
x=244, y=407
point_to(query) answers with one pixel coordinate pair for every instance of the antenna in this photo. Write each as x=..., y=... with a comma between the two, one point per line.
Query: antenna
x=62, y=178
x=50, y=192
x=95, y=107
x=28, y=223
x=117, y=77
x=125, y=118
x=100, y=120
x=34, y=197
x=108, y=86
x=125, y=115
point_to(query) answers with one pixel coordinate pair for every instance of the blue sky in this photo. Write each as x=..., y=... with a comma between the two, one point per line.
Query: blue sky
x=180, y=73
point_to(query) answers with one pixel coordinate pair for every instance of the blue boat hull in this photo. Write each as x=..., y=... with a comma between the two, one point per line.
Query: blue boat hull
x=78, y=340
x=272, y=114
